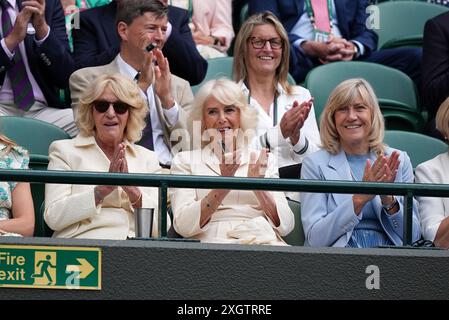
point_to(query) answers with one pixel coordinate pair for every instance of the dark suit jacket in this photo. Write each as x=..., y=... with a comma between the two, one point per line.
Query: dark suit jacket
x=351, y=17
x=51, y=63
x=97, y=42
x=435, y=63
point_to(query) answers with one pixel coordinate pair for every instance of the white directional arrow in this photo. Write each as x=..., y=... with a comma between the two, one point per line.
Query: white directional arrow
x=84, y=268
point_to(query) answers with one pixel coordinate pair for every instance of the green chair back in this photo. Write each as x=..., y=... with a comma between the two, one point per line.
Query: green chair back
x=419, y=147
x=34, y=135
x=296, y=237
x=216, y=68
x=396, y=92
x=291, y=80
x=244, y=13
x=39, y=162
x=401, y=23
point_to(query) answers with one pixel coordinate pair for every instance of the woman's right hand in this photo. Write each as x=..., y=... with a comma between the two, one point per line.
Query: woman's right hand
x=384, y=169
x=258, y=165
x=230, y=163
x=198, y=34
x=293, y=120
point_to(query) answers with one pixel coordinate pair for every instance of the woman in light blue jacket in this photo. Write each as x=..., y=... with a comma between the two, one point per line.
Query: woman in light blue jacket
x=352, y=131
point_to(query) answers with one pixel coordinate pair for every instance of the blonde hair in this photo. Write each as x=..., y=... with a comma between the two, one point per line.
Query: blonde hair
x=442, y=118
x=228, y=93
x=126, y=91
x=9, y=144
x=343, y=95
x=241, y=48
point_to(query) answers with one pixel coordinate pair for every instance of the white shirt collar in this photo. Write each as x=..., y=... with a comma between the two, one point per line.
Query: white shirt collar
x=125, y=68
x=279, y=88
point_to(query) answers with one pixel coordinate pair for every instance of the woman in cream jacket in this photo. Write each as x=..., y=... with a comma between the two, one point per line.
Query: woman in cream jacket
x=110, y=118
x=227, y=216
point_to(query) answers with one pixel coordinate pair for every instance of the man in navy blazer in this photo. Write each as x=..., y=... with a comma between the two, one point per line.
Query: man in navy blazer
x=43, y=39
x=96, y=42
x=351, y=18
x=435, y=66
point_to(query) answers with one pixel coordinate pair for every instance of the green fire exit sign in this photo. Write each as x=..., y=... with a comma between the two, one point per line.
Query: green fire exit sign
x=50, y=267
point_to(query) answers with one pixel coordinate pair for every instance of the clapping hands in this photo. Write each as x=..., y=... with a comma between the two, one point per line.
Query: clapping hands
x=119, y=164
x=384, y=169
x=258, y=166
x=293, y=120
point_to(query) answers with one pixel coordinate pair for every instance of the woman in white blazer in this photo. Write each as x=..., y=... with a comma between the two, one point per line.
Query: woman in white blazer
x=435, y=211
x=286, y=121
x=352, y=131
x=224, y=125
x=110, y=118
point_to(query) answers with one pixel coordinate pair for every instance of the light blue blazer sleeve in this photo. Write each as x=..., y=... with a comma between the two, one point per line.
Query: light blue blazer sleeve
x=329, y=219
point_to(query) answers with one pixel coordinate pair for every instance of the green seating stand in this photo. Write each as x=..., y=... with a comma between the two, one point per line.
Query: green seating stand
x=419, y=147
x=296, y=237
x=39, y=162
x=401, y=23
x=35, y=136
x=395, y=91
x=216, y=68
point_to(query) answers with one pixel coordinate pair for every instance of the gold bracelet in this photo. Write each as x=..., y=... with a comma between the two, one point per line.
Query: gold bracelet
x=391, y=205
x=138, y=198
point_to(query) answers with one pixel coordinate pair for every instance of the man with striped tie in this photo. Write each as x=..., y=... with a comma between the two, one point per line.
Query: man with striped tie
x=35, y=62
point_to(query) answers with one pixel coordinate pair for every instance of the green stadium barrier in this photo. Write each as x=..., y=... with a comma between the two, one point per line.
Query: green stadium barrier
x=408, y=190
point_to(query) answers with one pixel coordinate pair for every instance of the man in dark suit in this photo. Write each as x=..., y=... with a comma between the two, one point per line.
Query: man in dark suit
x=351, y=40
x=35, y=62
x=96, y=42
x=435, y=66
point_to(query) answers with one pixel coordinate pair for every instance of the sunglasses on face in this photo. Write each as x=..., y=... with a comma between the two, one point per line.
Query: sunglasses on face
x=102, y=106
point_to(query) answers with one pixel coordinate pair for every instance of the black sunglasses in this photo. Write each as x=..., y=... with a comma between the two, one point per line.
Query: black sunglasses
x=103, y=106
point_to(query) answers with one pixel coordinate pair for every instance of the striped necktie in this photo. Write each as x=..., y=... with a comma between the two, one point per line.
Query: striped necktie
x=20, y=83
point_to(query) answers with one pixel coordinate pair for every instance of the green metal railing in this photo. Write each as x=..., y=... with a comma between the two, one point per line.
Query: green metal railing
x=408, y=190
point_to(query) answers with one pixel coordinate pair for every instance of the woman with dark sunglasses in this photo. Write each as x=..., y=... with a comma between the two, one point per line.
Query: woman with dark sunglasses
x=110, y=118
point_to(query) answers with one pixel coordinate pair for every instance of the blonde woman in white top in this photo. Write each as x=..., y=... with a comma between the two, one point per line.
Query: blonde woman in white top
x=286, y=117
x=435, y=210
